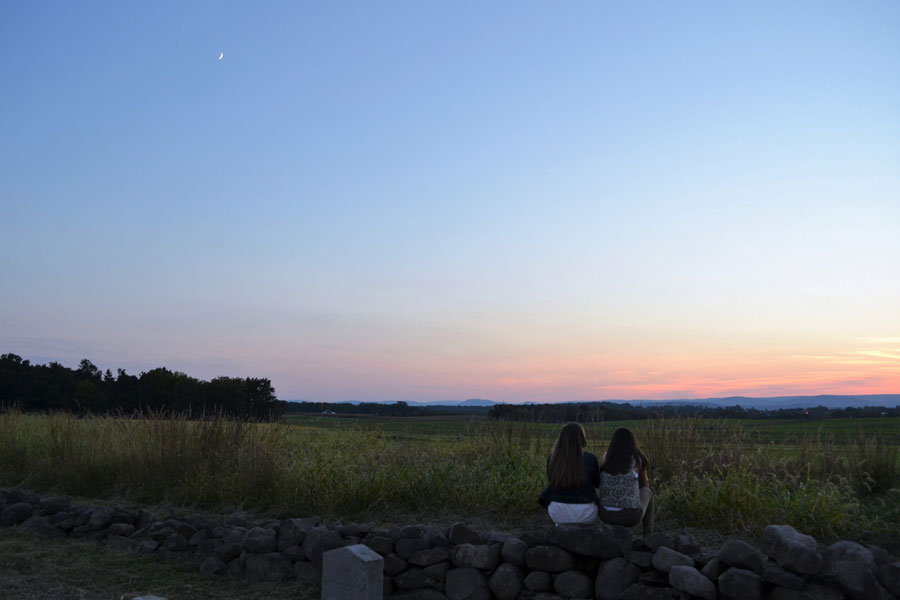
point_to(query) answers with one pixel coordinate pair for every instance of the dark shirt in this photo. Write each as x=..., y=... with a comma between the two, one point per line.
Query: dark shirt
x=581, y=495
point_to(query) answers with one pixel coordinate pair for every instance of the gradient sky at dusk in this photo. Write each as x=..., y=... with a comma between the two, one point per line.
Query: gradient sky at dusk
x=445, y=200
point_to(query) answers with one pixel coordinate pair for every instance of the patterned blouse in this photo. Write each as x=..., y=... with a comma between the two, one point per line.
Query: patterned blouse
x=620, y=490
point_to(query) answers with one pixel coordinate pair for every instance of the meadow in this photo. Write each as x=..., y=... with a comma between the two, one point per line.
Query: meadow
x=829, y=478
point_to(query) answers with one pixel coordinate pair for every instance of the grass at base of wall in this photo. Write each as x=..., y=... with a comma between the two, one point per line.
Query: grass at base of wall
x=32, y=568
x=740, y=500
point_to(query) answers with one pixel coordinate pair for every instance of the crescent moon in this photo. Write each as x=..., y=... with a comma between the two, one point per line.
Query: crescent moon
x=221, y=55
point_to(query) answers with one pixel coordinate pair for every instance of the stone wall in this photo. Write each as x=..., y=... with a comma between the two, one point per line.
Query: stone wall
x=458, y=563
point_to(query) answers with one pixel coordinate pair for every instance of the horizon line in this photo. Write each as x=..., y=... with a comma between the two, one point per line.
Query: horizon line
x=789, y=396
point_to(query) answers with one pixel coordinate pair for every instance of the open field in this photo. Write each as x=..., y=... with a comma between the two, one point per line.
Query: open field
x=765, y=430
x=825, y=478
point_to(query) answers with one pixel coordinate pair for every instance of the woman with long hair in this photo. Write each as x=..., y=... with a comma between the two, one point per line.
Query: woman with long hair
x=625, y=495
x=572, y=478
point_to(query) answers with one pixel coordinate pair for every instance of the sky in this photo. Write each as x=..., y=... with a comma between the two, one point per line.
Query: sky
x=421, y=201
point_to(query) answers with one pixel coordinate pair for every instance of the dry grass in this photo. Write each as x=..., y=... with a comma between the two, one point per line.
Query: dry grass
x=704, y=472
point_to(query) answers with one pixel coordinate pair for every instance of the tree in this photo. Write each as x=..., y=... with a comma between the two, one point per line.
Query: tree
x=88, y=370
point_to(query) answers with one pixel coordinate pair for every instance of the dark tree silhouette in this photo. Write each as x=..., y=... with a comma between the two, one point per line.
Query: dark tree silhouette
x=88, y=390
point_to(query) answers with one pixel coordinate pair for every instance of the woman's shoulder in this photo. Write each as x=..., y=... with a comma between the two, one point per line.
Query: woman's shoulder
x=591, y=457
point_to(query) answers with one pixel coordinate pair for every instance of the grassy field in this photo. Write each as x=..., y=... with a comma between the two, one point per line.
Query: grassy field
x=827, y=478
x=764, y=430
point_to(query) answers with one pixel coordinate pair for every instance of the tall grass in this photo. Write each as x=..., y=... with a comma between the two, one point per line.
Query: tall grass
x=705, y=473
x=738, y=482
x=157, y=457
x=743, y=500
x=875, y=462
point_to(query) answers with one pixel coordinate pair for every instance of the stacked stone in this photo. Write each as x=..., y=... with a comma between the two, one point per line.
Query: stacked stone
x=599, y=561
x=420, y=562
x=270, y=551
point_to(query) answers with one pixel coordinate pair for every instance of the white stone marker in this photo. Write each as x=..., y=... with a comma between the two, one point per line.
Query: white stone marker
x=352, y=573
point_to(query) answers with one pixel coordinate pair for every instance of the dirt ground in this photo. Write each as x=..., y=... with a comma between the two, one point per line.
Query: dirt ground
x=35, y=569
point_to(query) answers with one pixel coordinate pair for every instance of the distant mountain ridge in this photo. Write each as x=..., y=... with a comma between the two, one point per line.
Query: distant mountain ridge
x=469, y=402
x=776, y=402
x=762, y=403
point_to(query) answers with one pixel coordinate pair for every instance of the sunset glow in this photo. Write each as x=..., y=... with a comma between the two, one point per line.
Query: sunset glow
x=426, y=201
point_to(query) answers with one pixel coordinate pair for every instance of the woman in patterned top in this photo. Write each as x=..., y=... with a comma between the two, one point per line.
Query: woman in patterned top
x=625, y=496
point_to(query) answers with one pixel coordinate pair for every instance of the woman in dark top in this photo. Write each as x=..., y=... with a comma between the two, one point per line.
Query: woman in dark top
x=625, y=496
x=572, y=478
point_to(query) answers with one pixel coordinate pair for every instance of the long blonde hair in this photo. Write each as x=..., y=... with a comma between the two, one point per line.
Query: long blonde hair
x=565, y=470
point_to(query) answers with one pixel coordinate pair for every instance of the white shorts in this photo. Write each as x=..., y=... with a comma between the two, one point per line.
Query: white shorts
x=572, y=513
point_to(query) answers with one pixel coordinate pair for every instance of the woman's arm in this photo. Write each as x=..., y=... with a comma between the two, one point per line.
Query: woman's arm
x=644, y=475
x=594, y=471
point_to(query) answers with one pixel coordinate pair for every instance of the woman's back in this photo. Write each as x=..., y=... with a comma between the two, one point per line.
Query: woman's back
x=572, y=476
x=620, y=490
x=625, y=496
x=583, y=493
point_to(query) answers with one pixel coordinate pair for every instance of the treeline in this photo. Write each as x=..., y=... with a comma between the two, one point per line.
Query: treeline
x=87, y=390
x=615, y=411
x=396, y=409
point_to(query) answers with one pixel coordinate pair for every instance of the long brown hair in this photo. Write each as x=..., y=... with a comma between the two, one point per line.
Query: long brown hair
x=565, y=470
x=623, y=452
